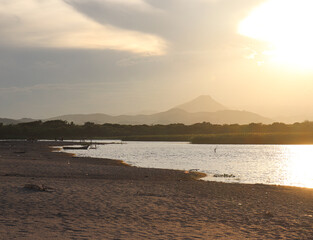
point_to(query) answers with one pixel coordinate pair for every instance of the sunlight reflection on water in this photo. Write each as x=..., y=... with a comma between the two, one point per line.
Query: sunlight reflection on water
x=267, y=164
x=299, y=165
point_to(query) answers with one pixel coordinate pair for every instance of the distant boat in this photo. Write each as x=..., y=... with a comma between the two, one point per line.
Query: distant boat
x=82, y=147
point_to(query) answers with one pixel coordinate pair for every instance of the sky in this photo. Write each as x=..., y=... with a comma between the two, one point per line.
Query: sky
x=127, y=56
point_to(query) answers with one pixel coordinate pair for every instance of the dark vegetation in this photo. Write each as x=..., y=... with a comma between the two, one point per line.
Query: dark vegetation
x=254, y=133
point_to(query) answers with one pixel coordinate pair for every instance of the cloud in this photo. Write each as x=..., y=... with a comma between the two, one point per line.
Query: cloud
x=139, y=26
x=55, y=24
x=184, y=24
x=133, y=60
x=57, y=86
x=158, y=53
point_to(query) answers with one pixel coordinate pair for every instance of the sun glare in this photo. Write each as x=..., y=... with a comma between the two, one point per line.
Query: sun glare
x=285, y=25
x=299, y=165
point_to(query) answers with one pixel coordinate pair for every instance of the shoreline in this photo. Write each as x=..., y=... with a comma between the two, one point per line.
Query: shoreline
x=194, y=175
x=204, y=174
x=103, y=199
x=27, y=152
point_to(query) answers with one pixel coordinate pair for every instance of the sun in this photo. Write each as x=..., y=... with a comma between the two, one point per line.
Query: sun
x=286, y=27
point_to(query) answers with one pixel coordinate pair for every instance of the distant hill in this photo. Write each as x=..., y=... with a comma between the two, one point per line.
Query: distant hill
x=8, y=121
x=202, y=103
x=171, y=116
x=98, y=118
x=201, y=109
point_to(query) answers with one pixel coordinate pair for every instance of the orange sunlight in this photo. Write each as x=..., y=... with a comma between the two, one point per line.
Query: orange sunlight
x=285, y=25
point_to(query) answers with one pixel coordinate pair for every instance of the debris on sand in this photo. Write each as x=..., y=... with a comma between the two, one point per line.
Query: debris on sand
x=38, y=188
x=268, y=214
x=225, y=175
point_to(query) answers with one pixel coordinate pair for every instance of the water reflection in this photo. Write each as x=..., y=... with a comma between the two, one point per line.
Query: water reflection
x=299, y=165
x=290, y=165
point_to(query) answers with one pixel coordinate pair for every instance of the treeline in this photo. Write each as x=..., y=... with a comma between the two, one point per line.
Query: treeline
x=198, y=133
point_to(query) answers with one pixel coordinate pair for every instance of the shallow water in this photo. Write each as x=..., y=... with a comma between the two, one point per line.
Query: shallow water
x=290, y=165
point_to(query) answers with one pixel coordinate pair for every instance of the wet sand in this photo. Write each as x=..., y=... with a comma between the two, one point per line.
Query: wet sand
x=105, y=199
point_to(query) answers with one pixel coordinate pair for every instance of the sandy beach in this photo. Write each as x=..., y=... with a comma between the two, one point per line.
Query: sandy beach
x=87, y=198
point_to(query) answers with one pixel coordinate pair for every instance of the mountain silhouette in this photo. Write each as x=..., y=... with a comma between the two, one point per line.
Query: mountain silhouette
x=204, y=103
x=201, y=109
x=8, y=121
